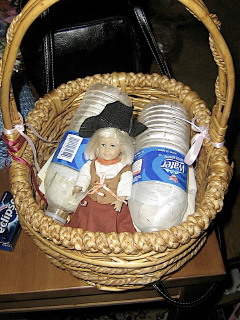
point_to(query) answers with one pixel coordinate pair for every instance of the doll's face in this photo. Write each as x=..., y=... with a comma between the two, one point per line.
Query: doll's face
x=109, y=149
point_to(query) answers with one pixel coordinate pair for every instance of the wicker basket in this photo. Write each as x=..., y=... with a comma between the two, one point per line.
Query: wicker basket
x=118, y=261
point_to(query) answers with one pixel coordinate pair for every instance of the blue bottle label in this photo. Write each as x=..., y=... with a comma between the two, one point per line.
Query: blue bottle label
x=70, y=151
x=160, y=164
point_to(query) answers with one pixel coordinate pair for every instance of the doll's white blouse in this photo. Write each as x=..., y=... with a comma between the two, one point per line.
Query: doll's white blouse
x=110, y=171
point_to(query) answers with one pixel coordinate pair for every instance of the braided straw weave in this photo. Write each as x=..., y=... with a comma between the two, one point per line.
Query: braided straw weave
x=119, y=261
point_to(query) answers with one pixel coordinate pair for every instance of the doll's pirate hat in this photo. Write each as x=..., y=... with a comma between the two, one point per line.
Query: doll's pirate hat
x=115, y=115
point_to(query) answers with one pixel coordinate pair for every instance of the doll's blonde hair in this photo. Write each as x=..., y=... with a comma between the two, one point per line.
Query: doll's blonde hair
x=124, y=141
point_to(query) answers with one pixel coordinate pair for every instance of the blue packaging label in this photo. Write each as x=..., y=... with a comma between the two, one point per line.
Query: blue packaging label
x=9, y=223
x=70, y=151
x=160, y=164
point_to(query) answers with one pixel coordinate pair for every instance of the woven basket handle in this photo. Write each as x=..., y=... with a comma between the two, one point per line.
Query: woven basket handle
x=224, y=85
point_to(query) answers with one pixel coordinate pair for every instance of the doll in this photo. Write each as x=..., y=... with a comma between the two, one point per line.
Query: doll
x=107, y=177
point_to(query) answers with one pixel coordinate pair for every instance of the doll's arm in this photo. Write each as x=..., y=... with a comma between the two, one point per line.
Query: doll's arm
x=125, y=185
x=83, y=178
x=123, y=190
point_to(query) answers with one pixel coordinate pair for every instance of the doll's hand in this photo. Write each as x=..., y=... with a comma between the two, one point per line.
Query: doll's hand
x=76, y=189
x=117, y=205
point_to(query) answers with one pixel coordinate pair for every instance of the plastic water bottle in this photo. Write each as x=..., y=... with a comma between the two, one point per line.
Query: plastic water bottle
x=69, y=156
x=159, y=191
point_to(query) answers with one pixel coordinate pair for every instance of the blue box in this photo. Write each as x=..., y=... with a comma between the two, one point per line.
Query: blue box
x=9, y=223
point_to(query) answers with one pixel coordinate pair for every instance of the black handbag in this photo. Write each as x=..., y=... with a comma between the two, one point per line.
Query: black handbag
x=78, y=38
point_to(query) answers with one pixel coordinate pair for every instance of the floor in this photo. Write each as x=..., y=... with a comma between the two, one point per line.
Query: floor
x=191, y=62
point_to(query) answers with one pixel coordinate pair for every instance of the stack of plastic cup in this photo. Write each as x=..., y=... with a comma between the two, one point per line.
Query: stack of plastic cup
x=95, y=100
x=159, y=191
x=69, y=156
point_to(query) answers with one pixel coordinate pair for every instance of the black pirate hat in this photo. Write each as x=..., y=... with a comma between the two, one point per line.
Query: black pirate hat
x=115, y=115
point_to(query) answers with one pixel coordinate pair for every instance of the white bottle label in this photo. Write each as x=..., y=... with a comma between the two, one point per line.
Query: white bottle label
x=160, y=164
x=70, y=151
